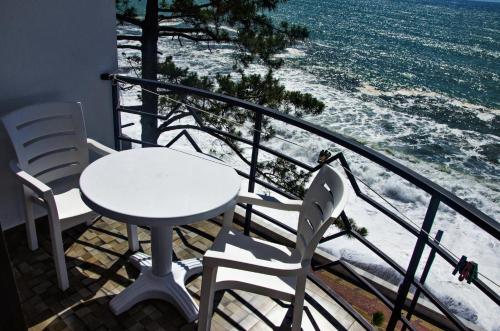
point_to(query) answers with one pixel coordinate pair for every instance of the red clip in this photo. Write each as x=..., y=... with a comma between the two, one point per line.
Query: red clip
x=465, y=272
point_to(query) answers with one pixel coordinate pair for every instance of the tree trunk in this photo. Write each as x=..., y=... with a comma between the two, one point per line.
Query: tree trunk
x=149, y=53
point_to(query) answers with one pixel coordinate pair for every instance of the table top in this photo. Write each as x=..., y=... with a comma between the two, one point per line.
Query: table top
x=159, y=186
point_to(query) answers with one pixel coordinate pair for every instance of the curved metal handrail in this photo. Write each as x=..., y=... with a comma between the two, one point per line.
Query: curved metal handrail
x=476, y=216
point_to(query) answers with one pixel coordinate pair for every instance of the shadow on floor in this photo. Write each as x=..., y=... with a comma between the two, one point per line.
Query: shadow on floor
x=97, y=260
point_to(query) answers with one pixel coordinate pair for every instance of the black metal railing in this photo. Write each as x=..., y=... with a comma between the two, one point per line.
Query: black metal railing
x=438, y=195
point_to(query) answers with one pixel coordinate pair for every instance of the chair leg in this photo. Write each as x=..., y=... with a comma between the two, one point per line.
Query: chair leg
x=228, y=217
x=133, y=241
x=298, y=302
x=58, y=253
x=30, y=224
x=207, y=298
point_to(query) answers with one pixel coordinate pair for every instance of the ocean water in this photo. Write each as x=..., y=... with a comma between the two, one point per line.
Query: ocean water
x=416, y=80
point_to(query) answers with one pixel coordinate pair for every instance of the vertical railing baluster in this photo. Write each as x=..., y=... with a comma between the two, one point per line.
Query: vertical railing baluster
x=253, y=168
x=349, y=174
x=414, y=261
x=117, y=125
x=422, y=279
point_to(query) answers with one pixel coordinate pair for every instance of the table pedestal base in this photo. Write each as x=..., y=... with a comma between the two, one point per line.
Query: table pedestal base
x=170, y=287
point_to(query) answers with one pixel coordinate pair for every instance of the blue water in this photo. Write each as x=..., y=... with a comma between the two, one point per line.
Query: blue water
x=432, y=59
x=449, y=47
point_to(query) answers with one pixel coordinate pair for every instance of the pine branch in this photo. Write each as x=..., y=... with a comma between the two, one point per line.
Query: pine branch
x=128, y=37
x=194, y=34
x=182, y=30
x=175, y=17
x=186, y=36
x=130, y=47
x=139, y=48
x=204, y=31
x=130, y=20
x=172, y=120
x=166, y=10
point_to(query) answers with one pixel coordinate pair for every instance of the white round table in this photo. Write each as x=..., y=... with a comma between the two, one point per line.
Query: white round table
x=159, y=188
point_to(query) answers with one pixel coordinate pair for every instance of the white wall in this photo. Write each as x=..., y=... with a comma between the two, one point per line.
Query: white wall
x=54, y=50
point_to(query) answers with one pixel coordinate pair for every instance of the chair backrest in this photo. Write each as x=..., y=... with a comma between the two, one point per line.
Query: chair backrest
x=324, y=201
x=49, y=139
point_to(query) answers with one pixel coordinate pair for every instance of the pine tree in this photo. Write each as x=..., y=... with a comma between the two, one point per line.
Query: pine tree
x=254, y=37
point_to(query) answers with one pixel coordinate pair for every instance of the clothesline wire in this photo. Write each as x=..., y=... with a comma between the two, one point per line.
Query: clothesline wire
x=305, y=148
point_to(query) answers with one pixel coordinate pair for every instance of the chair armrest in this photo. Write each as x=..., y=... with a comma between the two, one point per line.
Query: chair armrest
x=40, y=188
x=99, y=148
x=220, y=259
x=269, y=201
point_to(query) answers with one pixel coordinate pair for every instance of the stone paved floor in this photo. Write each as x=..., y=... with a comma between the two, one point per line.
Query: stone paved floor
x=98, y=270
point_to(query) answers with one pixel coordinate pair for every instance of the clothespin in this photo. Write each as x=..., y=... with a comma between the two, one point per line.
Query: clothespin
x=467, y=270
x=473, y=273
x=460, y=265
x=323, y=156
x=465, y=273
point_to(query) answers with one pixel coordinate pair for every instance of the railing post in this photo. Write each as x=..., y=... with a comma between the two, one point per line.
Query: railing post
x=414, y=261
x=423, y=277
x=117, y=125
x=349, y=174
x=253, y=168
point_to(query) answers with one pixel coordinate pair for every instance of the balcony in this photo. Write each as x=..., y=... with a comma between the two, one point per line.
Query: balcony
x=342, y=294
x=339, y=295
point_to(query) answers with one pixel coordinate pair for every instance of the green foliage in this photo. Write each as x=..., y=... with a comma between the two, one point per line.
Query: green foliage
x=123, y=7
x=351, y=225
x=378, y=318
x=267, y=91
x=173, y=74
x=264, y=90
x=241, y=23
x=285, y=175
x=253, y=36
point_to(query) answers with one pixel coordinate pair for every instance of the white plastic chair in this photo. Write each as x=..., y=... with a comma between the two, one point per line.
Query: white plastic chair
x=52, y=149
x=241, y=262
